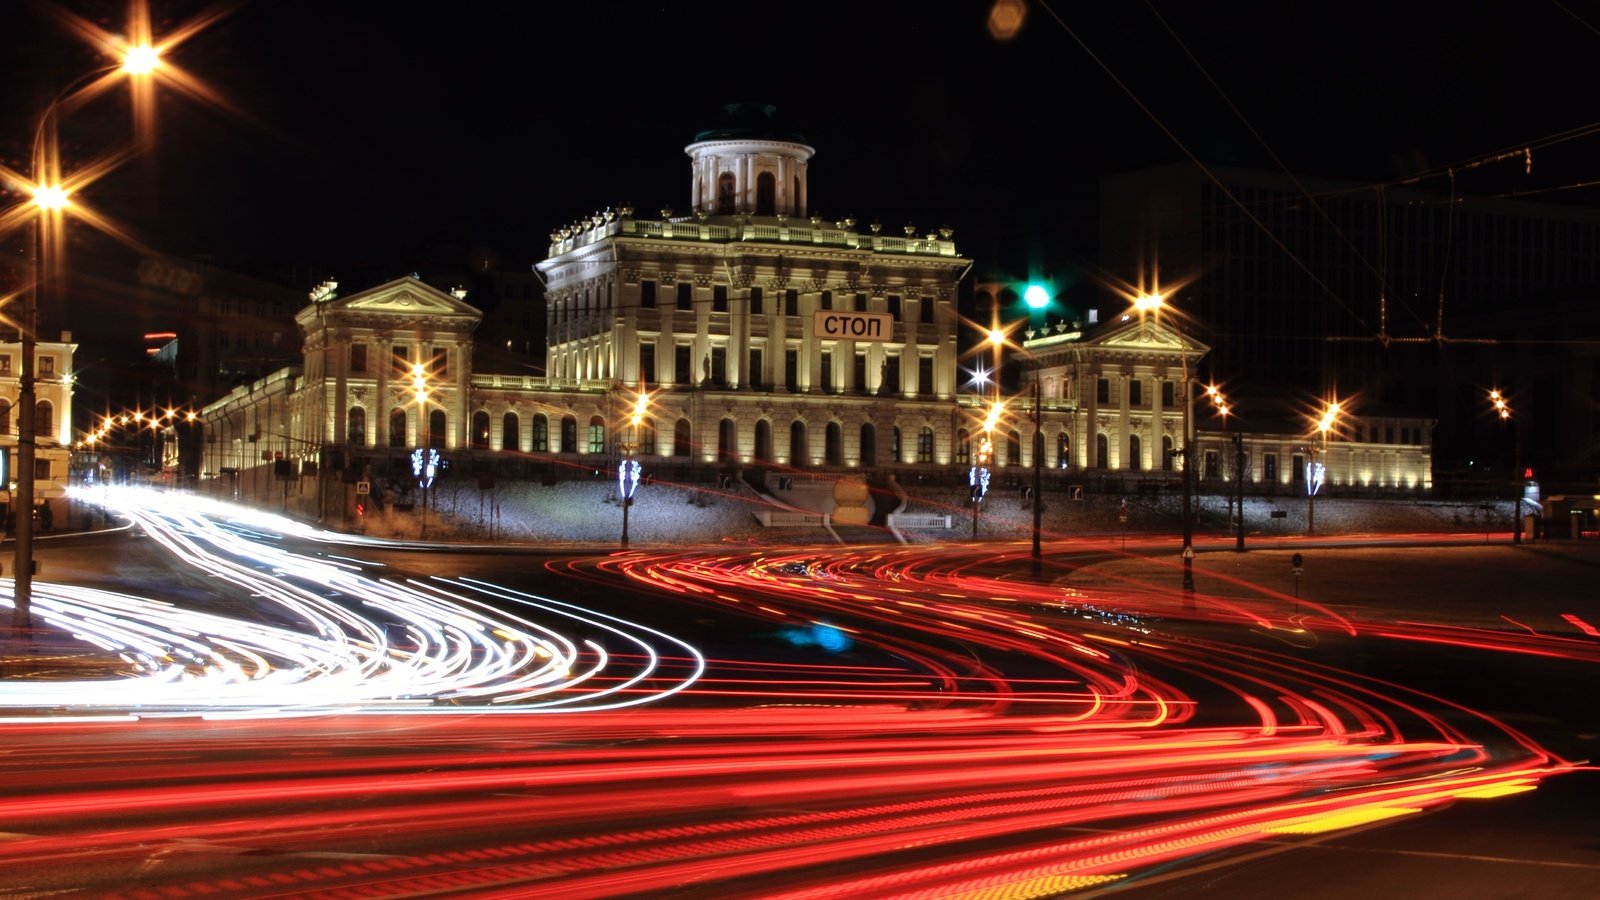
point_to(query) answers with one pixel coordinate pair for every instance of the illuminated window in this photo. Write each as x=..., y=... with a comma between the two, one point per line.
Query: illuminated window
x=356, y=427
x=597, y=435
x=925, y=445
x=540, y=437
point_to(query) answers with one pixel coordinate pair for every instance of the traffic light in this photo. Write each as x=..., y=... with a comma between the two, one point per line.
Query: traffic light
x=361, y=509
x=1036, y=296
x=1527, y=473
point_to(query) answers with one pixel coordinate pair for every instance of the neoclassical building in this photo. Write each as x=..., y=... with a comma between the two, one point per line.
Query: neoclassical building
x=763, y=336
x=52, y=416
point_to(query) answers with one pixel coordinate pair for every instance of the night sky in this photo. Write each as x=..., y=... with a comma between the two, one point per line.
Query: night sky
x=354, y=131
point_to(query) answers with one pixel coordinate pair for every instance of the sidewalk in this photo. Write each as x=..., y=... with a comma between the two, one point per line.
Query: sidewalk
x=1497, y=586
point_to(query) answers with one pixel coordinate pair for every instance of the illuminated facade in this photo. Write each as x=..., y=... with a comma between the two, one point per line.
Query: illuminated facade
x=52, y=414
x=763, y=335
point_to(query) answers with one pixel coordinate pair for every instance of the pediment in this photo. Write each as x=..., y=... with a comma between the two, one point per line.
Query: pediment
x=408, y=297
x=1149, y=336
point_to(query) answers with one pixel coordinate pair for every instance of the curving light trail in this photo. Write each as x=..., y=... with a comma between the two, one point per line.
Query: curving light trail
x=895, y=723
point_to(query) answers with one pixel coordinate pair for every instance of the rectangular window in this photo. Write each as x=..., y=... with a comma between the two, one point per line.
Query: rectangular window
x=1388, y=434
x=358, y=359
x=719, y=366
x=719, y=298
x=439, y=361
x=827, y=371
x=1269, y=468
x=1167, y=394
x=1102, y=390
x=5, y=364
x=597, y=437
x=685, y=295
x=647, y=364
x=541, y=434
x=925, y=445
x=681, y=372
x=925, y=375
x=891, y=374
x=894, y=307
x=754, y=375
x=827, y=300
x=791, y=303
x=791, y=369
x=47, y=366
x=925, y=309
x=400, y=360
x=755, y=301
x=1136, y=392
x=1297, y=470
x=861, y=303
x=858, y=374
x=647, y=294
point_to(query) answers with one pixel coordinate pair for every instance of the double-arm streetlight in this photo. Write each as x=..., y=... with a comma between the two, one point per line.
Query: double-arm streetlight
x=1502, y=408
x=628, y=469
x=51, y=199
x=1219, y=402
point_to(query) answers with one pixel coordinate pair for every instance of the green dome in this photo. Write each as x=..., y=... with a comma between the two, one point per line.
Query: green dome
x=749, y=122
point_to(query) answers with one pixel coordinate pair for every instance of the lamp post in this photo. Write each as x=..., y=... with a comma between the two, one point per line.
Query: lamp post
x=1502, y=408
x=628, y=468
x=1154, y=303
x=424, y=460
x=1316, y=469
x=51, y=198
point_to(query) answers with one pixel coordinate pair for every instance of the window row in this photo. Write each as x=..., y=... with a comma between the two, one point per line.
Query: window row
x=789, y=301
x=44, y=416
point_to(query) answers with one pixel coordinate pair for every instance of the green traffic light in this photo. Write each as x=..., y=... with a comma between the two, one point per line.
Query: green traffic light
x=1036, y=297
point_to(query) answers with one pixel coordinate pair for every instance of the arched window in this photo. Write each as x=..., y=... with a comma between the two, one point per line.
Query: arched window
x=764, y=440
x=480, y=430
x=597, y=434
x=1102, y=452
x=397, y=427
x=963, y=448
x=727, y=440
x=569, y=434
x=647, y=438
x=766, y=195
x=726, y=193
x=799, y=455
x=510, y=432
x=539, y=440
x=833, y=445
x=1063, y=451
x=1166, y=452
x=43, y=412
x=436, y=429
x=925, y=445
x=1013, y=449
x=681, y=438
x=869, y=444
x=1135, y=460
x=356, y=427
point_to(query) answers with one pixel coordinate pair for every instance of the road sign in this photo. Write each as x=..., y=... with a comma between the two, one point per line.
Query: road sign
x=1297, y=564
x=363, y=487
x=831, y=324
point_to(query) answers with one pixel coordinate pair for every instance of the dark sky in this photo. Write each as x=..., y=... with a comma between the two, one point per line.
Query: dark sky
x=363, y=128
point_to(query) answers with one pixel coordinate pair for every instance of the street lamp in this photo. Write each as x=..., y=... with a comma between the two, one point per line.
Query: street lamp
x=1036, y=298
x=978, y=475
x=45, y=213
x=1153, y=304
x=628, y=469
x=1316, y=469
x=1502, y=407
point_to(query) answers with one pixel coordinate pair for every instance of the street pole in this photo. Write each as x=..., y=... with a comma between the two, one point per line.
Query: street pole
x=1238, y=477
x=1038, y=479
x=1517, y=484
x=22, y=510
x=1311, y=492
x=1188, y=485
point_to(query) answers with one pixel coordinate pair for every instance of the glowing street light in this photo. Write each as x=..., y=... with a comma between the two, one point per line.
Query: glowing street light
x=1502, y=408
x=1316, y=469
x=1153, y=303
x=628, y=468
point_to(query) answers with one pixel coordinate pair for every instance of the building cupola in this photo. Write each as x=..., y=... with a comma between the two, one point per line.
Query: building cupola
x=749, y=164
